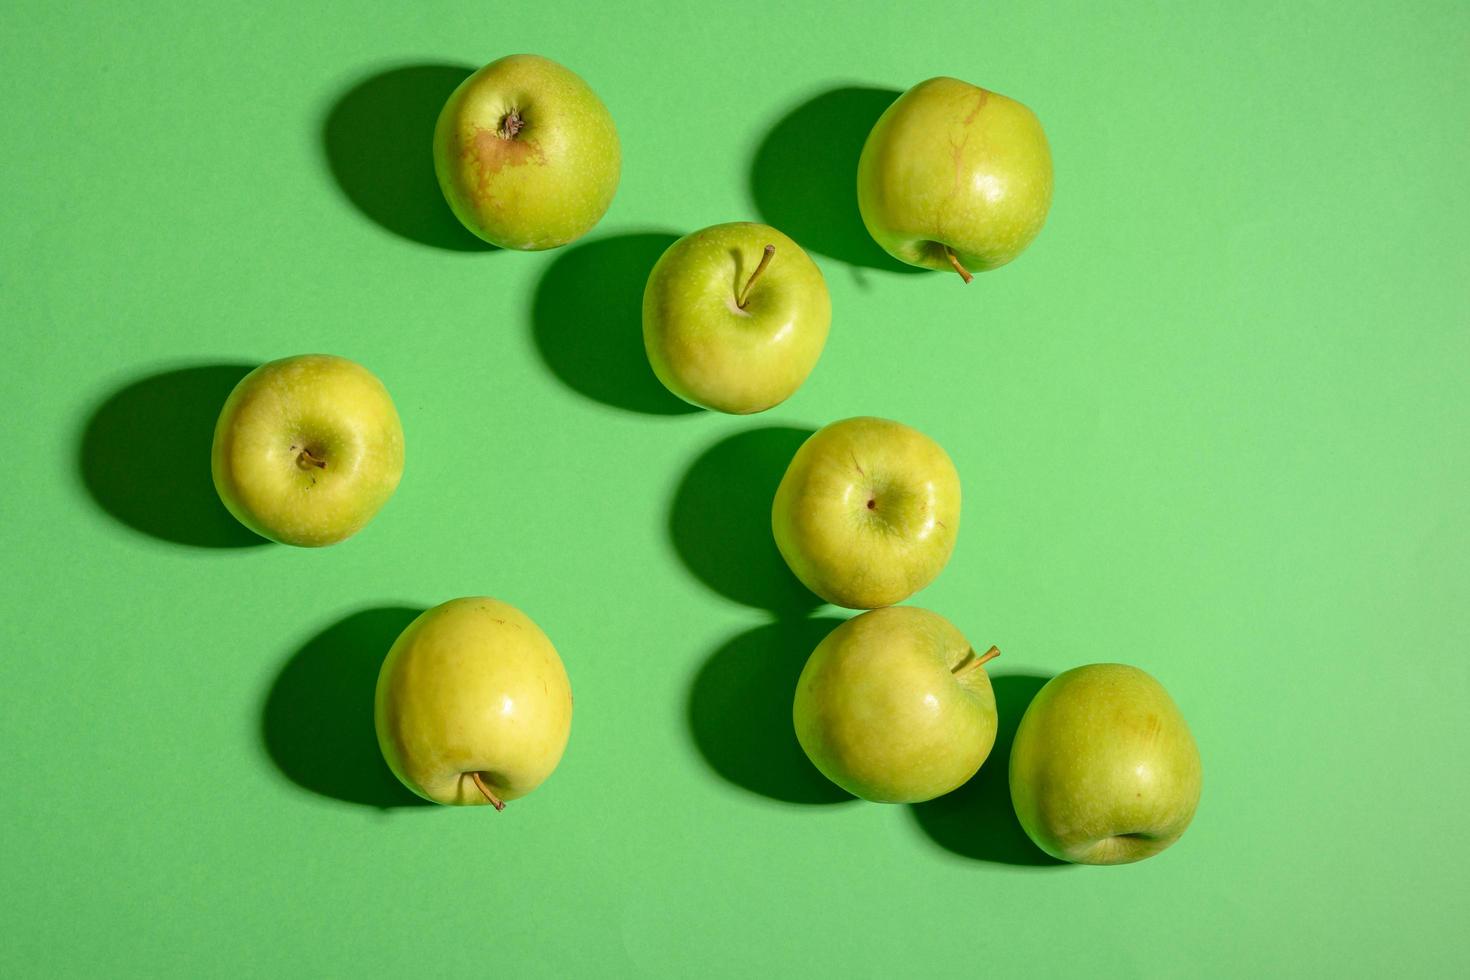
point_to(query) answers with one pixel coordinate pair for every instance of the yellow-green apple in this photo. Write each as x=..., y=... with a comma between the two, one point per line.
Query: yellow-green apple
x=867, y=512
x=473, y=704
x=526, y=154
x=735, y=317
x=955, y=177
x=895, y=706
x=1103, y=768
x=307, y=449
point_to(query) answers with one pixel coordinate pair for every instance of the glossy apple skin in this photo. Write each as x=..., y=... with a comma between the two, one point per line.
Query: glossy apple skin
x=551, y=181
x=332, y=408
x=886, y=708
x=710, y=351
x=473, y=685
x=1104, y=769
x=868, y=512
x=952, y=164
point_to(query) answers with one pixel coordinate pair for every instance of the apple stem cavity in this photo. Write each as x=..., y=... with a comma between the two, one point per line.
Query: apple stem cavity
x=971, y=662
x=495, y=801
x=307, y=459
x=765, y=261
x=959, y=267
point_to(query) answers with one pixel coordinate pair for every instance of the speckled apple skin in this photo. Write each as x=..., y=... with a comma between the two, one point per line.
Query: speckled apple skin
x=853, y=554
x=340, y=412
x=710, y=351
x=950, y=163
x=553, y=180
x=880, y=711
x=473, y=685
x=1104, y=769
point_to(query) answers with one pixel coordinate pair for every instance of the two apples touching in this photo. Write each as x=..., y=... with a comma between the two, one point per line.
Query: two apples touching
x=473, y=704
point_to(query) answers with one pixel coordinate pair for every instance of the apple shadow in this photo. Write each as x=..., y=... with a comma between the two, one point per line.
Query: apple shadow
x=740, y=712
x=587, y=321
x=720, y=520
x=803, y=176
x=143, y=456
x=977, y=820
x=317, y=720
x=378, y=139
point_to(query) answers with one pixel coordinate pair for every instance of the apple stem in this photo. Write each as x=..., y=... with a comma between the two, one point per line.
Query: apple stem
x=970, y=664
x=954, y=260
x=495, y=801
x=765, y=261
x=307, y=459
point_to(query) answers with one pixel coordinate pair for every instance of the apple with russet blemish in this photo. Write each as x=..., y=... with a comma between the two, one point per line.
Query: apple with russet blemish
x=955, y=177
x=526, y=154
x=735, y=317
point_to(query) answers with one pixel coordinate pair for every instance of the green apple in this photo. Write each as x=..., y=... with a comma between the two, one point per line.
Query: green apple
x=1103, y=768
x=307, y=449
x=473, y=704
x=895, y=706
x=867, y=512
x=735, y=317
x=526, y=154
x=954, y=177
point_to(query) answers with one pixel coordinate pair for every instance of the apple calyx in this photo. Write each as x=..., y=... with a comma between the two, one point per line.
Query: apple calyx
x=959, y=267
x=971, y=661
x=765, y=261
x=306, y=459
x=511, y=124
x=494, y=800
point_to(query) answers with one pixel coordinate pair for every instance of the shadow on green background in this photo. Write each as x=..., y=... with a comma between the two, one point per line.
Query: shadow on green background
x=803, y=176
x=740, y=712
x=317, y=720
x=720, y=520
x=977, y=820
x=587, y=321
x=378, y=139
x=144, y=456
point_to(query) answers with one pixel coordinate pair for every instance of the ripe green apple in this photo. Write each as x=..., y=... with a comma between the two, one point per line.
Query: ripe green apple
x=1103, y=768
x=526, y=154
x=954, y=177
x=307, y=449
x=895, y=706
x=735, y=317
x=867, y=512
x=473, y=705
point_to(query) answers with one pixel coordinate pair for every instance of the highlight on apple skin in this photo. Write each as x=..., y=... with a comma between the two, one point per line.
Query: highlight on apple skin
x=735, y=317
x=895, y=706
x=307, y=449
x=867, y=512
x=955, y=177
x=1104, y=769
x=473, y=705
x=526, y=154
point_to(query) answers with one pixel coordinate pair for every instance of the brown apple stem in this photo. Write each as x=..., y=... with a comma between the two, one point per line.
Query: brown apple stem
x=307, y=459
x=495, y=801
x=954, y=260
x=765, y=261
x=968, y=665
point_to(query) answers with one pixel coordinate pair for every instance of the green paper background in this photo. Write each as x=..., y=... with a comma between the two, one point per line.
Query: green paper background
x=1214, y=423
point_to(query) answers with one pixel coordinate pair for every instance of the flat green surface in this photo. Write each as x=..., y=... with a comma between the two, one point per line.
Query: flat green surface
x=1214, y=423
